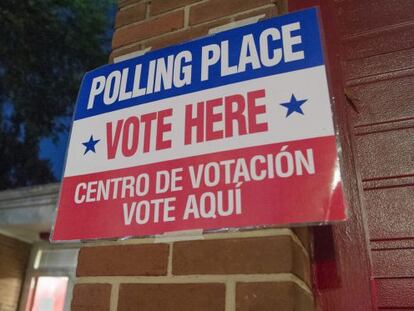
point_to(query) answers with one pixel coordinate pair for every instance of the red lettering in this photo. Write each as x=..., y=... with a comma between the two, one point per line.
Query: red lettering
x=147, y=119
x=130, y=149
x=113, y=142
x=235, y=113
x=254, y=110
x=213, y=117
x=163, y=128
x=197, y=122
x=225, y=117
x=132, y=141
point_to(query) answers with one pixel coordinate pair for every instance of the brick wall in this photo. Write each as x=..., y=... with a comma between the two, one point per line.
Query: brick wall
x=14, y=255
x=159, y=23
x=257, y=270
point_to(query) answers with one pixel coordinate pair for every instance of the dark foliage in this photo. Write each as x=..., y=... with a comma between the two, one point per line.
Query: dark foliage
x=45, y=48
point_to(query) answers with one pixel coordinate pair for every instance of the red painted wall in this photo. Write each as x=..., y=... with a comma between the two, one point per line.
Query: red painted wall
x=371, y=51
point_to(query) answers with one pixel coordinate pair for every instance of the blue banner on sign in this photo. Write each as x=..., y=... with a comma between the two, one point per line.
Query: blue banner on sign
x=278, y=45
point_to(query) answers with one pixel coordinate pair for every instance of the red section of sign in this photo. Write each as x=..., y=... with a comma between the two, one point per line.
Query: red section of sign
x=285, y=183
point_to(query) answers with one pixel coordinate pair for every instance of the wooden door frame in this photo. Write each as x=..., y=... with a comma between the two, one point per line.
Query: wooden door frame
x=341, y=262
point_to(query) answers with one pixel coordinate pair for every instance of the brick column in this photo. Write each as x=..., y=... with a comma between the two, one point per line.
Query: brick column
x=251, y=270
x=257, y=270
x=14, y=255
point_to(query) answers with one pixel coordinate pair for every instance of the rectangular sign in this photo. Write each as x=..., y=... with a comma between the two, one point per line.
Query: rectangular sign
x=230, y=130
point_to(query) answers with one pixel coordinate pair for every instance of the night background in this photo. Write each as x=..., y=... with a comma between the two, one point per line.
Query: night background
x=46, y=46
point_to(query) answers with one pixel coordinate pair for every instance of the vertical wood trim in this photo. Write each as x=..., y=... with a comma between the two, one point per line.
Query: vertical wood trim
x=350, y=286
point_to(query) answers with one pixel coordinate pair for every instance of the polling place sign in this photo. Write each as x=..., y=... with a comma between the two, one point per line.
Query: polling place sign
x=227, y=131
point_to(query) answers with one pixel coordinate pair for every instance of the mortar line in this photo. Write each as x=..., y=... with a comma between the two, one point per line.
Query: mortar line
x=149, y=17
x=197, y=279
x=237, y=14
x=147, y=9
x=302, y=284
x=114, y=297
x=207, y=236
x=170, y=259
x=132, y=5
x=186, y=17
x=296, y=239
x=230, y=296
x=197, y=3
x=220, y=278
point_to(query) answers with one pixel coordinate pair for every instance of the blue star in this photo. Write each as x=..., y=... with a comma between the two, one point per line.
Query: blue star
x=90, y=145
x=294, y=106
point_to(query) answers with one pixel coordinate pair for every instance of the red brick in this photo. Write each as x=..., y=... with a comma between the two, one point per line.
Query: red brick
x=130, y=15
x=277, y=254
x=303, y=235
x=91, y=297
x=129, y=49
x=171, y=297
x=147, y=29
x=170, y=39
x=174, y=38
x=270, y=296
x=188, y=34
x=160, y=6
x=267, y=11
x=214, y=9
x=123, y=3
x=185, y=35
x=125, y=260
